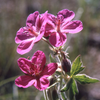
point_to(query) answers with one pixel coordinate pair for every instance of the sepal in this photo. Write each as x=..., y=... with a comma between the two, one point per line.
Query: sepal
x=52, y=59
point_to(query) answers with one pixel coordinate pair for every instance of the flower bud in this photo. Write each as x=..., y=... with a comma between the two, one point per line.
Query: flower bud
x=52, y=92
x=52, y=80
x=55, y=94
x=66, y=65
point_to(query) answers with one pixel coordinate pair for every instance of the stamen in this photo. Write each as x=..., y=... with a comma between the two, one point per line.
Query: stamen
x=58, y=25
x=28, y=57
x=32, y=32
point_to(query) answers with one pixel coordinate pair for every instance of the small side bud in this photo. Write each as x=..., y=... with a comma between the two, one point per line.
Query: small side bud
x=52, y=80
x=55, y=95
x=52, y=92
x=66, y=65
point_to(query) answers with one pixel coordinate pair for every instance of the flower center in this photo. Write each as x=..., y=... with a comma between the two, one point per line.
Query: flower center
x=30, y=30
x=35, y=70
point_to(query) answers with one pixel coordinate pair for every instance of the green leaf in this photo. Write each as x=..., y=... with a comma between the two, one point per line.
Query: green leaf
x=73, y=90
x=52, y=59
x=66, y=86
x=72, y=87
x=76, y=66
x=63, y=96
x=84, y=79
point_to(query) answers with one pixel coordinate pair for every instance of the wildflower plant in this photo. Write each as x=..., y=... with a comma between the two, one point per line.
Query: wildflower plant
x=58, y=79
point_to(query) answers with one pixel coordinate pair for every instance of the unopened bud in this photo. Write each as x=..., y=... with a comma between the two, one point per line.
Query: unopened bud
x=52, y=92
x=52, y=80
x=66, y=65
x=54, y=95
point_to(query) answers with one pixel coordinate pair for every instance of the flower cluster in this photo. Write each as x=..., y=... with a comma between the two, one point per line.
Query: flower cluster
x=47, y=25
x=53, y=29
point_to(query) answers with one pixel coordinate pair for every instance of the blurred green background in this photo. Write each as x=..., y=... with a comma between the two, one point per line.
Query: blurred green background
x=13, y=14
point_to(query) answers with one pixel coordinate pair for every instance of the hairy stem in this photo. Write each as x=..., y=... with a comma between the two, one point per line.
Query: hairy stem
x=45, y=95
x=47, y=42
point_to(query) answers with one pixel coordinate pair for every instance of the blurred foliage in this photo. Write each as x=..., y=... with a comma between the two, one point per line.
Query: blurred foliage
x=13, y=14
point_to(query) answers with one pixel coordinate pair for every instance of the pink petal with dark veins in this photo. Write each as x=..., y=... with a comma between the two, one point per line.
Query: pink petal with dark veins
x=24, y=64
x=39, y=59
x=49, y=69
x=31, y=19
x=73, y=27
x=57, y=39
x=25, y=46
x=25, y=81
x=65, y=15
x=42, y=84
x=22, y=35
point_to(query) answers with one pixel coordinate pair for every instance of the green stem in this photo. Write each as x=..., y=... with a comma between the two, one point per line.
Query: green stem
x=45, y=95
x=52, y=85
x=8, y=80
x=47, y=42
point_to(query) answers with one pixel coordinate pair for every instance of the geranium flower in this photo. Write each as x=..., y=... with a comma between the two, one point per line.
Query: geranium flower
x=36, y=72
x=30, y=34
x=58, y=26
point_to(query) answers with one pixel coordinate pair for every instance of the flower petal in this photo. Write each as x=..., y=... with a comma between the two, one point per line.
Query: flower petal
x=49, y=28
x=24, y=65
x=39, y=37
x=42, y=84
x=22, y=35
x=39, y=59
x=31, y=19
x=41, y=20
x=57, y=39
x=73, y=27
x=47, y=17
x=65, y=15
x=49, y=22
x=25, y=46
x=25, y=81
x=49, y=69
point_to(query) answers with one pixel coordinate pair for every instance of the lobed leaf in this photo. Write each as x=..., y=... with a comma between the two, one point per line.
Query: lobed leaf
x=73, y=90
x=76, y=66
x=84, y=79
x=66, y=86
x=63, y=96
x=72, y=87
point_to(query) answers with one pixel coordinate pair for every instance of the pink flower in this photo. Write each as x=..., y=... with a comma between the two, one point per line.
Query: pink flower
x=59, y=26
x=36, y=72
x=30, y=34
